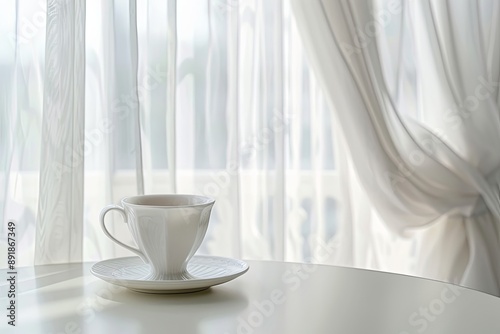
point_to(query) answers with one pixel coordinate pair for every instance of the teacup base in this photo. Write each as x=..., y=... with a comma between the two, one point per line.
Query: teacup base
x=156, y=276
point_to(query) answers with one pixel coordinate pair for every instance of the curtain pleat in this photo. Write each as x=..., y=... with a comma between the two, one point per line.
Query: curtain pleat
x=278, y=219
x=232, y=116
x=136, y=109
x=8, y=101
x=60, y=206
x=294, y=81
x=171, y=93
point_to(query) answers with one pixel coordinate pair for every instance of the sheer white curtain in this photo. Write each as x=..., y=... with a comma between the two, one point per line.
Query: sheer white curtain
x=105, y=99
x=418, y=108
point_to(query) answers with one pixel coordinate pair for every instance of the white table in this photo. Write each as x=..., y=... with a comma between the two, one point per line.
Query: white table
x=272, y=297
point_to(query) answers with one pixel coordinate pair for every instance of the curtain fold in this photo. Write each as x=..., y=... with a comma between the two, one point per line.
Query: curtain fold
x=136, y=107
x=171, y=92
x=429, y=171
x=59, y=225
x=232, y=152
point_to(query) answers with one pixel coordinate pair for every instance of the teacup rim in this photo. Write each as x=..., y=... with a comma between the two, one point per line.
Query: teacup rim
x=207, y=201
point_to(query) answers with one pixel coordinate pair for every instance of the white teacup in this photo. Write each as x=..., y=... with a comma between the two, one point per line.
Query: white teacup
x=168, y=230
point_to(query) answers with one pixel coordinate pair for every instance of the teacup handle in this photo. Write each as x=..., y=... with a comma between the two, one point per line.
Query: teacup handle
x=124, y=215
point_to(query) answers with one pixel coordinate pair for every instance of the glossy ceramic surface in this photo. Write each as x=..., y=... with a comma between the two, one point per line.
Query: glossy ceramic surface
x=168, y=230
x=202, y=273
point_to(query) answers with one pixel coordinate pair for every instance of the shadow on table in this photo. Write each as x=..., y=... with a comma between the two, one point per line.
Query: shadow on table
x=105, y=308
x=32, y=278
x=213, y=310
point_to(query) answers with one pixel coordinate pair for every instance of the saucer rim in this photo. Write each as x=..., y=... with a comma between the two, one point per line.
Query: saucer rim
x=172, y=285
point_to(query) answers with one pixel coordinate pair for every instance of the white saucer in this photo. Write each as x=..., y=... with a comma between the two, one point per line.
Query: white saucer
x=207, y=270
